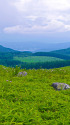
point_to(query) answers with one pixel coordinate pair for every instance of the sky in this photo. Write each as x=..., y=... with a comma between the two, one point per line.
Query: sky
x=42, y=21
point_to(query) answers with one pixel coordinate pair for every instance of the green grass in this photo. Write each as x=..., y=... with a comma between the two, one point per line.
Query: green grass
x=31, y=100
x=32, y=59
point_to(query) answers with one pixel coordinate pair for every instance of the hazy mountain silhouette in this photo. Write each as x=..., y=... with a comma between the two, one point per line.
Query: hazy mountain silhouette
x=36, y=46
x=62, y=51
x=4, y=49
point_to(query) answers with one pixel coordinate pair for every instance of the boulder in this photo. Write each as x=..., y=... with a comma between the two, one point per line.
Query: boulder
x=24, y=73
x=60, y=86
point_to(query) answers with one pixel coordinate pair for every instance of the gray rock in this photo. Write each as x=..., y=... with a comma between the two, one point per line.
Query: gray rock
x=24, y=73
x=60, y=86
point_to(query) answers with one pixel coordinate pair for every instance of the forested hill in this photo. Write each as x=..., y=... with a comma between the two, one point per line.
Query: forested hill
x=52, y=54
x=62, y=51
x=29, y=60
x=4, y=49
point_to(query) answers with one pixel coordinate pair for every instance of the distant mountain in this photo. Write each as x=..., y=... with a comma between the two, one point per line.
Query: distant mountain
x=52, y=54
x=36, y=46
x=63, y=51
x=4, y=49
x=47, y=47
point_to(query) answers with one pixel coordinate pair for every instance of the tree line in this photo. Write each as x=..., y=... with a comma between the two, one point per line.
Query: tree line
x=6, y=59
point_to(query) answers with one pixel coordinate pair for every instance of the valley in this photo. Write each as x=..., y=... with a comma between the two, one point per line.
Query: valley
x=29, y=60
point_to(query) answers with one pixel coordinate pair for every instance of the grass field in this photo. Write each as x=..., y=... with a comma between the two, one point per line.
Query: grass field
x=31, y=100
x=32, y=59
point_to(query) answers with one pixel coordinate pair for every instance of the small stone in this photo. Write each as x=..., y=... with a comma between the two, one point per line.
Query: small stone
x=24, y=73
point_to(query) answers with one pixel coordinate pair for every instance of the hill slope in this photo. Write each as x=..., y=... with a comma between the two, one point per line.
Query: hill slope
x=53, y=54
x=63, y=51
x=36, y=46
x=4, y=49
x=31, y=100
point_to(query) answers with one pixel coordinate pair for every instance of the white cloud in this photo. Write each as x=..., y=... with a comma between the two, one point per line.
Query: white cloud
x=21, y=5
x=13, y=29
x=40, y=16
x=24, y=5
x=53, y=26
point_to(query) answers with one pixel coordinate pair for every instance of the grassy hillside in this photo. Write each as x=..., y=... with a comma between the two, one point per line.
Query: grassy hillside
x=31, y=100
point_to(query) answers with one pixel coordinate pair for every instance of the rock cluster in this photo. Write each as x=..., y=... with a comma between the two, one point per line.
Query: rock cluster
x=60, y=86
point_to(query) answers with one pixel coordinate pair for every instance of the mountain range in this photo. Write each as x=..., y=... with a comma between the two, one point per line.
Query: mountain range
x=35, y=46
x=10, y=57
x=60, y=51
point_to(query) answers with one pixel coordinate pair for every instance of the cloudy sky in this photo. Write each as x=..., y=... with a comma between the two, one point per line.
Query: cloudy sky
x=34, y=20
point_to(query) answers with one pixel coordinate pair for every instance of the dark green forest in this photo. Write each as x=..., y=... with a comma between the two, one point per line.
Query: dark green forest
x=54, y=59
x=7, y=59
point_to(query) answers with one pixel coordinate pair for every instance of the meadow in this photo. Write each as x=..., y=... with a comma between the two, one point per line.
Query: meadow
x=31, y=100
x=34, y=59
